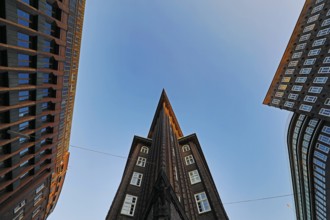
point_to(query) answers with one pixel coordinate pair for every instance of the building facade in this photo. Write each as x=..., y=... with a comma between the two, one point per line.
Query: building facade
x=301, y=85
x=166, y=176
x=39, y=56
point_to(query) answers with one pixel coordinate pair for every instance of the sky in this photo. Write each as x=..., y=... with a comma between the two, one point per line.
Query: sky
x=216, y=60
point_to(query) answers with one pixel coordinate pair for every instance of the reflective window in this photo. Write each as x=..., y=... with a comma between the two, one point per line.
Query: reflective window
x=324, y=111
x=324, y=69
x=296, y=88
x=309, y=98
x=319, y=42
x=305, y=70
x=23, y=18
x=306, y=108
x=202, y=203
x=136, y=179
x=141, y=161
x=194, y=177
x=320, y=80
x=129, y=205
x=309, y=61
x=314, y=52
x=23, y=60
x=189, y=159
x=314, y=89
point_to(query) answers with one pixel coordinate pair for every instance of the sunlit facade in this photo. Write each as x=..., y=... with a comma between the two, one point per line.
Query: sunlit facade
x=39, y=57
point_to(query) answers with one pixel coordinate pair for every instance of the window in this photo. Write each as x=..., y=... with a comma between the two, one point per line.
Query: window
x=36, y=211
x=286, y=79
x=293, y=63
x=301, y=79
x=129, y=205
x=326, y=60
x=306, y=108
x=296, y=55
x=323, y=32
x=322, y=148
x=23, y=126
x=282, y=87
x=277, y=101
x=19, y=216
x=319, y=1
x=320, y=80
x=325, y=112
x=304, y=37
x=24, y=164
x=288, y=104
x=185, y=148
x=319, y=42
x=296, y=88
x=46, y=46
x=141, y=161
x=23, y=40
x=313, y=18
x=309, y=28
x=49, y=9
x=314, y=52
x=302, y=46
x=326, y=22
x=309, y=61
x=326, y=129
x=327, y=101
x=23, y=111
x=325, y=69
x=314, y=89
x=136, y=179
x=44, y=105
x=23, y=18
x=23, y=60
x=194, y=177
x=37, y=199
x=293, y=96
x=144, y=150
x=24, y=152
x=305, y=70
x=23, y=78
x=279, y=94
x=47, y=28
x=189, y=159
x=309, y=98
x=19, y=206
x=23, y=96
x=41, y=187
x=202, y=203
x=289, y=71
x=317, y=8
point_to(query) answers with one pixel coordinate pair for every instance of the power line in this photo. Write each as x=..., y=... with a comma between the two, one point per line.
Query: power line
x=226, y=203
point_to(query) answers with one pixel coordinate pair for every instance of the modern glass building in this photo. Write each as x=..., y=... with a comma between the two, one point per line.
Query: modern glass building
x=166, y=176
x=39, y=56
x=301, y=85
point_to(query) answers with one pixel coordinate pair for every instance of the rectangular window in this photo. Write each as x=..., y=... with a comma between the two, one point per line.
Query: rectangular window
x=36, y=211
x=129, y=205
x=202, y=202
x=320, y=80
x=24, y=152
x=23, y=126
x=37, y=199
x=277, y=101
x=306, y=108
x=326, y=129
x=41, y=187
x=322, y=148
x=309, y=28
x=19, y=216
x=315, y=89
x=279, y=94
x=48, y=28
x=286, y=79
x=302, y=46
x=23, y=60
x=305, y=71
x=185, y=148
x=293, y=96
x=296, y=55
x=19, y=206
x=194, y=177
x=310, y=61
x=324, y=111
x=324, y=69
x=23, y=78
x=323, y=32
x=309, y=98
x=189, y=159
x=326, y=22
x=288, y=104
x=317, y=8
x=324, y=139
x=313, y=18
x=23, y=111
x=282, y=87
x=301, y=79
x=304, y=37
x=23, y=40
x=23, y=18
x=319, y=42
x=326, y=60
x=293, y=63
x=314, y=52
x=296, y=88
x=136, y=179
x=46, y=46
x=289, y=71
x=141, y=161
x=327, y=101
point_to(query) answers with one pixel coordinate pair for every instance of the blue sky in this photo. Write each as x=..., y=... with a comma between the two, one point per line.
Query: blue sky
x=216, y=60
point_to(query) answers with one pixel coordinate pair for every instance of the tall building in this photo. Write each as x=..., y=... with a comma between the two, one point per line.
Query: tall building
x=301, y=85
x=39, y=55
x=166, y=176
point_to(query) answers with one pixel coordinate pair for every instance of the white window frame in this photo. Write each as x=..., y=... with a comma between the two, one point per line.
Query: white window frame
x=282, y=87
x=305, y=71
x=293, y=96
x=315, y=89
x=320, y=80
x=326, y=60
x=314, y=52
x=144, y=149
x=129, y=205
x=297, y=88
x=301, y=79
x=289, y=104
x=326, y=22
x=276, y=101
x=293, y=63
x=286, y=79
x=279, y=94
x=36, y=211
x=317, y=8
x=323, y=32
x=202, y=202
x=136, y=179
x=19, y=206
x=19, y=216
x=319, y=42
x=289, y=71
x=37, y=199
x=194, y=177
x=189, y=159
x=300, y=46
x=310, y=61
x=41, y=187
x=313, y=18
x=324, y=69
x=325, y=112
x=306, y=108
x=309, y=28
x=185, y=148
x=309, y=98
x=304, y=37
x=327, y=101
x=141, y=161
